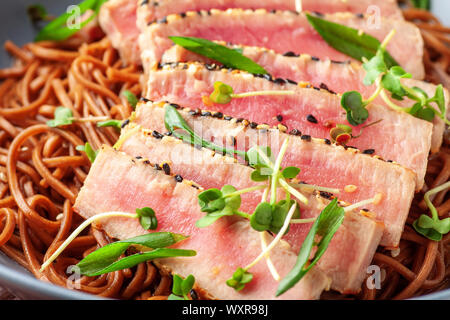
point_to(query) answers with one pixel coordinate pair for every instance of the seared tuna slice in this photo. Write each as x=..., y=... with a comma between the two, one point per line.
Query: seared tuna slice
x=117, y=182
x=118, y=17
x=338, y=77
x=281, y=31
x=359, y=234
x=398, y=137
x=357, y=175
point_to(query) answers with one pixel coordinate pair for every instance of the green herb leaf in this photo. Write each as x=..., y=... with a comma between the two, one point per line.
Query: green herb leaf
x=325, y=226
x=228, y=57
x=103, y=259
x=269, y=217
x=422, y=4
x=147, y=218
x=58, y=30
x=290, y=172
x=391, y=81
x=349, y=40
x=257, y=176
x=222, y=93
x=91, y=153
x=174, y=121
x=239, y=279
x=110, y=123
x=217, y=205
x=374, y=67
x=181, y=287
x=62, y=117
x=439, y=98
x=131, y=98
x=352, y=102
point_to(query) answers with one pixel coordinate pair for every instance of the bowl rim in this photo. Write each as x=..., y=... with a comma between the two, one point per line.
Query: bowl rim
x=30, y=286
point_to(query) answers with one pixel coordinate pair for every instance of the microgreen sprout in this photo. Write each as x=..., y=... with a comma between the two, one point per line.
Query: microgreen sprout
x=64, y=116
x=90, y=152
x=388, y=79
x=181, y=287
x=224, y=93
x=432, y=227
x=342, y=133
x=141, y=214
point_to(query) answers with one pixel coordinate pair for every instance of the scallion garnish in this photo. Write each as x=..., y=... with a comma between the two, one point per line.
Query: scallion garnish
x=153, y=245
x=228, y=57
x=348, y=40
x=103, y=260
x=59, y=30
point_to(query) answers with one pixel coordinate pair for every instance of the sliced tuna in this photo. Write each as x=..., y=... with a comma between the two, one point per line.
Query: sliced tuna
x=117, y=182
x=118, y=17
x=399, y=137
x=338, y=77
x=150, y=12
x=281, y=31
x=118, y=20
x=357, y=239
x=358, y=176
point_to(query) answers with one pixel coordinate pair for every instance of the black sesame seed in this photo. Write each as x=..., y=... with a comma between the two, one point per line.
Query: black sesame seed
x=268, y=77
x=238, y=120
x=163, y=20
x=291, y=82
x=185, y=67
x=183, y=15
x=206, y=114
x=176, y=106
x=306, y=137
x=234, y=141
x=290, y=54
x=312, y=119
x=295, y=132
x=365, y=210
x=318, y=14
x=218, y=115
x=144, y=100
x=158, y=167
x=315, y=58
x=166, y=168
x=138, y=157
x=369, y=151
x=147, y=161
x=125, y=123
x=279, y=81
x=327, y=141
x=360, y=15
x=195, y=187
x=210, y=67
x=253, y=125
x=195, y=112
x=194, y=294
x=326, y=195
x=178, y=178
x=144, y=2
x=279, y=117
x=228, y=118
x=390, y=161
x=157, y=135
x=168, y=134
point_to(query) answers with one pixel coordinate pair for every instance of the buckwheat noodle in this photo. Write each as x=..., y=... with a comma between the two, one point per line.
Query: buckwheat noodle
x=41, y=172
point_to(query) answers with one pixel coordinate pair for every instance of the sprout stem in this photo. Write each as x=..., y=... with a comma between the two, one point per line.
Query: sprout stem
x=80, y=228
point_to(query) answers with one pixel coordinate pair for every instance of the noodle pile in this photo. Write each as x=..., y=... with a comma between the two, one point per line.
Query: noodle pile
x=41, y=172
